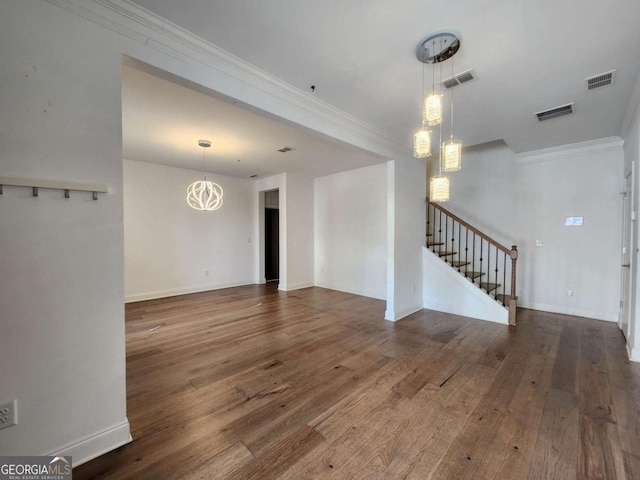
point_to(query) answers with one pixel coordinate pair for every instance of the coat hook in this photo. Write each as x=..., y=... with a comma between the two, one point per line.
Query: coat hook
x=35, y=191
x=95, y=195
x=67, y=194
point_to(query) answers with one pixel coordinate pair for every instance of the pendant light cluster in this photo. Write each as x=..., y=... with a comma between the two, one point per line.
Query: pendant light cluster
x=437, y=48
x=204, y=194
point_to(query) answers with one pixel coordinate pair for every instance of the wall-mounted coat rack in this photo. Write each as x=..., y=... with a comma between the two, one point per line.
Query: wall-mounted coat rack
x=36, y=184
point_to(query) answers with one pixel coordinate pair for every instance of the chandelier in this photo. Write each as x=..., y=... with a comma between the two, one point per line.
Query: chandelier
x=437, y=48
x=204, y=194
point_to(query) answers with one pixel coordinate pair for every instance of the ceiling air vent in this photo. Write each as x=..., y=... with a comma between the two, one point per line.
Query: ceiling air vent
x=285, y=149
x=601, y=80
x=555, y=112
x=459, y=78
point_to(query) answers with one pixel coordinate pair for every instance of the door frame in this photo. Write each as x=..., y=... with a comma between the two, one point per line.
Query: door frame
x=626, y=257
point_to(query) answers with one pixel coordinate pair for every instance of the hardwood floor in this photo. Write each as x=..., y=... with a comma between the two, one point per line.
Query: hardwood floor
x=252, y=383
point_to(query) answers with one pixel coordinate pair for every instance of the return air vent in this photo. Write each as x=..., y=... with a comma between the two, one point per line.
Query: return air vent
x=459, y=78
x=555, y=112
x=601, y=80
x=285, y=149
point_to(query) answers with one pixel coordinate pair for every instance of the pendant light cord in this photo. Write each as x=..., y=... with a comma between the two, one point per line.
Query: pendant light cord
x=452, y=101
x=440, y=136
x=423, y=67
x=204, y=162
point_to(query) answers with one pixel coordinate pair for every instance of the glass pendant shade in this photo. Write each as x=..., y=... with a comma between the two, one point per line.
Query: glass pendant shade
x=204, y=195
x=432, y=112
x=439, y=189
x=451, y=156
x=422, y=143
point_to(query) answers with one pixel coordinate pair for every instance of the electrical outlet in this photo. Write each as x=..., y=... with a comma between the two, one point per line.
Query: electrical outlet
x=8, y=414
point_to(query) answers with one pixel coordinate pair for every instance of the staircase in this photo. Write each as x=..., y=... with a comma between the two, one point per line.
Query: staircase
x=486, y=263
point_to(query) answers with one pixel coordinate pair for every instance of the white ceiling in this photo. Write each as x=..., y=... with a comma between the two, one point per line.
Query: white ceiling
x=162, y=122
x=528, y=56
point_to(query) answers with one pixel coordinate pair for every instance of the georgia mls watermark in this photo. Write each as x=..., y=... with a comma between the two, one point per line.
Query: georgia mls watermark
x=35, y=468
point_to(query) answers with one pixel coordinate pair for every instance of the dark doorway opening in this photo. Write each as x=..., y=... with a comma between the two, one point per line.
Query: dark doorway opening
x=271, y=244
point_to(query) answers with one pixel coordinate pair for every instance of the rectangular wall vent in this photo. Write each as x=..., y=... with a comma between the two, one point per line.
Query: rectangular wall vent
x=555, y=112
x=601, y=80
x=285, y=149
x=459, y=78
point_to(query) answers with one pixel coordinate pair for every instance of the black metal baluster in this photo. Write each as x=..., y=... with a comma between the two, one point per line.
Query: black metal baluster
x=480, y=277
x=495, y=296
x=440, y=232
x=473, y=252
x=459, y=251
x=446, y=234
x=488, y=266
x=426, y=236
x=466, y=251
x=453, y=240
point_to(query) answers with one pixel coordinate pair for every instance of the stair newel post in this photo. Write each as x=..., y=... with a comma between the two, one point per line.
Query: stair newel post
x=512, y=297
x=504, y=277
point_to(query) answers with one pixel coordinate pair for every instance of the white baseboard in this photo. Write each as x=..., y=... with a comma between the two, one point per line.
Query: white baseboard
x=95, y=445
x=295, y=286
x=634, y=353
x=400, y=314
x=172, y=292
x=576, y=312
x=349, y=289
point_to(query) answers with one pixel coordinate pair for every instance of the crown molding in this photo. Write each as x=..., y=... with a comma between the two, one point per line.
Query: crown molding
x=571, y=150
x=260, y=89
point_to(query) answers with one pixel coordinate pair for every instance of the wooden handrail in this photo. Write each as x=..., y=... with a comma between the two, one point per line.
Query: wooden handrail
x=470, y=227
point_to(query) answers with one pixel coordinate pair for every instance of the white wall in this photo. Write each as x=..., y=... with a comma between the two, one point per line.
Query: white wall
x=170, y=248
x=62, y=350
x=519, y=201
x=406, y=194
x=299, y=231
x=351, y=231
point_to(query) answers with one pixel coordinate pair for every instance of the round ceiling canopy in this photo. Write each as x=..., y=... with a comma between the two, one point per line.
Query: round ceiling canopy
x=438, y=47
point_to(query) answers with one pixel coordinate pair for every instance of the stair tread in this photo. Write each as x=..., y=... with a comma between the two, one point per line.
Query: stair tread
x=434, y=244
x=489, y=286
x=459, y=263
x=445, y=254
x=474, y=274
x=504, y=298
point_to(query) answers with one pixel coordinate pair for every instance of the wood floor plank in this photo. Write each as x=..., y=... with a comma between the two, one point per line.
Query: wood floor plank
x=497, y=436
x=556, y=450
x=600, y=453
x=221, y=465
x=275, y=461
x=251, y=382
